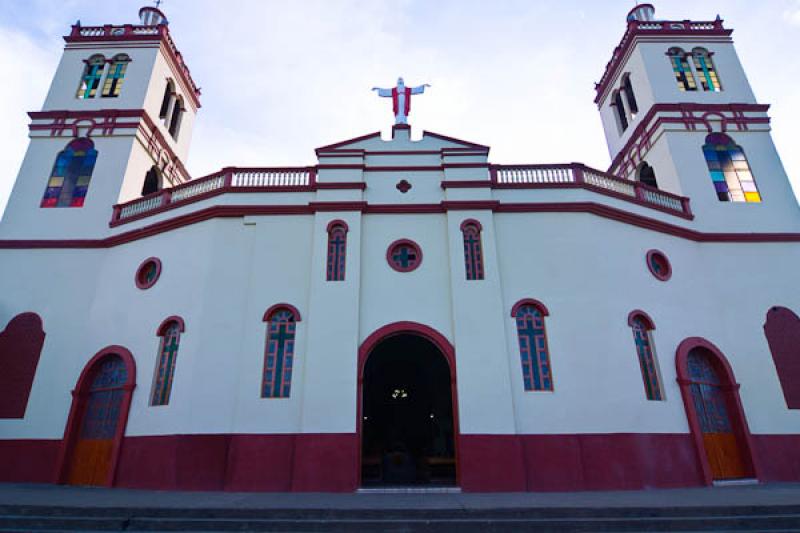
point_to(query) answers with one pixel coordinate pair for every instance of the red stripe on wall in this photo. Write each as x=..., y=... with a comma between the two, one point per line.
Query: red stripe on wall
x=329, y=462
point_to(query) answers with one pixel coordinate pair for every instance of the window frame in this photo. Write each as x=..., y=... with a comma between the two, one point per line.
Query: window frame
x=164, y=332
x=279, y=389
x=474, y=260
x=546, y=382
x=637, y=318
x=336, y=253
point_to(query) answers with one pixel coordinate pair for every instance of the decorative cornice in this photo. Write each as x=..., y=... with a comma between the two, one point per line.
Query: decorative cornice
x=137, y=33
x=690, y=119
x=107, y=122
x=666, y=29
x=238, y=211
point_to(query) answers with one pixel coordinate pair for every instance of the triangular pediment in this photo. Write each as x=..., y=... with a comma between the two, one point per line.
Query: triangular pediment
x=401, y=142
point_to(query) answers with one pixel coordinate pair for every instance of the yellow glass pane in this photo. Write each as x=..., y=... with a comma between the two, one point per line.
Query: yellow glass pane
x=56, y=181
x=752, y=197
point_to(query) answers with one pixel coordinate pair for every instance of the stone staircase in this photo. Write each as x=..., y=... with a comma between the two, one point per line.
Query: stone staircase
x=561, y=519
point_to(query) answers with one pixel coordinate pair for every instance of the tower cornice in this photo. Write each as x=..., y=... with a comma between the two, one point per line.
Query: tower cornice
x=657, y=30
x=134, y=33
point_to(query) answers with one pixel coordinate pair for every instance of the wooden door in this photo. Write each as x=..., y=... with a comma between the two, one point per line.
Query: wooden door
x=711, y=402
x=91, y=459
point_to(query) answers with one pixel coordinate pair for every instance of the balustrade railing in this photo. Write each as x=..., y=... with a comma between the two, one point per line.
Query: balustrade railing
x=577, y=175
x=574, y=175
x=266, y=179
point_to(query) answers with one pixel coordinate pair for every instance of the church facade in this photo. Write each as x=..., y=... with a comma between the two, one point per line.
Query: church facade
x=405, y=312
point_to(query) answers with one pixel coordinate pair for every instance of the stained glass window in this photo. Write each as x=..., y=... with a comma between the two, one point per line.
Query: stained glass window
x=165, y=366
x=105, y=399
x=473, y=251
x=536, y=373
x=337, y=252
x=730, y=171
x=619, y=108
x=404, y=255
x=279, y=353
x=148, y=273
x=72, y=171
x=629, y=96
x=116, y=75
x=707, y=395
x=680, y=66
x=704, y=66
x=647, y=360
x=91, y=77
x=659, y=265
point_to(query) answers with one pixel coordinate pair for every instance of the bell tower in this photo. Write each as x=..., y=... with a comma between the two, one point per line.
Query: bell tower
x=679, y=114
x=116, y=124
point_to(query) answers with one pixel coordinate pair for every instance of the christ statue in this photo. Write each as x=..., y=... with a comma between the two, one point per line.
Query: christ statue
x=401, y=99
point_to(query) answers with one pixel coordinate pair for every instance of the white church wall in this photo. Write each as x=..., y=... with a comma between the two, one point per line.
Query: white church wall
x=778, y=211
x=484, y=388
x=67, y=79
x=162, y=70
x=24, y=219
x=732, y=78
x=330, y=362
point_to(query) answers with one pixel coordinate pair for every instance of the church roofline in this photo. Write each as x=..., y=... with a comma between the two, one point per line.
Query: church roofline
x=666, y=29
x=339, y=146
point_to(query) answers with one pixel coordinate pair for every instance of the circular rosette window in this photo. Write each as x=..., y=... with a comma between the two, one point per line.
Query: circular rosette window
x=148, y=273
x=404, y=255
x=659, y=265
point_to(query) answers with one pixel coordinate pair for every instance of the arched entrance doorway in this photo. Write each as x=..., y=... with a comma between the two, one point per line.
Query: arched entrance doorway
x=714, y=411
x=408, y=414
x=97, y=419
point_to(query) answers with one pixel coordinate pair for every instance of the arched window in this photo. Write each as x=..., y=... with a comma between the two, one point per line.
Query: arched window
x=641, y=325
x=536, y=372
x=619, y=108
x=629, y=96
x=279, y=353
x=683, y=74
x=337, y=250
x=72, y=171
x=20, y=347
x=704, y=66
x=91, y=76
x=729, y=170
x=116, y=75
x=170, y=332
x=175, y=118
x=473, y=249
x=647, y=175
x=169, y=95
x=152, y=181
x=782, y=329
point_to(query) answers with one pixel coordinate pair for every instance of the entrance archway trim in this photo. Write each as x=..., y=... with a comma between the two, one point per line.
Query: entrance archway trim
x=79, y=396
x=445, y=348
x=731, y=387
x=398, y=328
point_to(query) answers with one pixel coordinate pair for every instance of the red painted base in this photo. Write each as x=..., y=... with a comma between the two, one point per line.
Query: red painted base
x=329, y=462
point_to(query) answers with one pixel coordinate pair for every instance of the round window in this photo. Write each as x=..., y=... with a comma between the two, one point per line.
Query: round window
x=404, y=255
x=659, y=265
x=148, y=272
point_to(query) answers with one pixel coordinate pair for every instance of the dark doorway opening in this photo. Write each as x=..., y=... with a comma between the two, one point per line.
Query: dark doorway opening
x=407, y=416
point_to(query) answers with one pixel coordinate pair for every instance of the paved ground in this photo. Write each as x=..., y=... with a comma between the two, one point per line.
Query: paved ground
x=57, y=495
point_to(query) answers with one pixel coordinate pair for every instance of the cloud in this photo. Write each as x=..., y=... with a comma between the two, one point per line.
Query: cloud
x=28, y=66
x=792, y=14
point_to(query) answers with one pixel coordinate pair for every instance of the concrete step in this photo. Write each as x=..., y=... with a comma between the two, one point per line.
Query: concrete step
x=733, y=518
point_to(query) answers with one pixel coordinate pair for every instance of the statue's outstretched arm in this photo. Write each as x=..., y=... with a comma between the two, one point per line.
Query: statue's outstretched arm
x=420, y=89
x=382, y=92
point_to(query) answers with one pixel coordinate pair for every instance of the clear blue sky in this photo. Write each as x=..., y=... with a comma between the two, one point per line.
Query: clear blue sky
x=281, y=78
